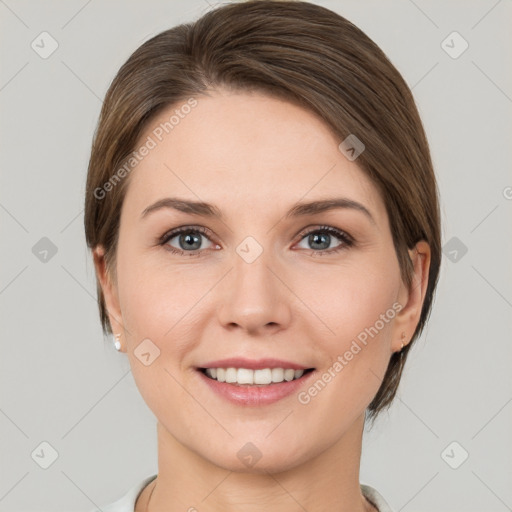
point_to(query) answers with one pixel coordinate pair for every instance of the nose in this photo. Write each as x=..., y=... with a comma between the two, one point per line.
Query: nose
x=254, y=297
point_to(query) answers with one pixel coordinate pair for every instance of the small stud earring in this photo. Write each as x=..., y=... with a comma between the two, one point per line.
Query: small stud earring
x=403, y=338
x=117, y=343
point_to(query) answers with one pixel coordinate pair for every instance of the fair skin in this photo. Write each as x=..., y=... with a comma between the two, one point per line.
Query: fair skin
x=254, y=157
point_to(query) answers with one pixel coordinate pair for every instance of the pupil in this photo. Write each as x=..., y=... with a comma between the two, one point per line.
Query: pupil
x=315, y=239
x=188, y=240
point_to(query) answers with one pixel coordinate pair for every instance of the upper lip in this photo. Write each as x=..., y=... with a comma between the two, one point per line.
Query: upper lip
x=253, y=364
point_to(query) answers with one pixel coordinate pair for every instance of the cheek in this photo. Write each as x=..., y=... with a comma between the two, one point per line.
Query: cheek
x=358, y=306
x=156, y=299
x=160, y=312
x=362, y=314
x=356, y=299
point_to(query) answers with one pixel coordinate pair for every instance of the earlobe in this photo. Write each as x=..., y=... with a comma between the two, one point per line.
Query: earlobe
x=413, y=297
x=117, y=342
x=109, y=290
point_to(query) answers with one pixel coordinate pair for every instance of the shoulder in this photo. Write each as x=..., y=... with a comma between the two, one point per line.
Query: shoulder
x=126, y=503
x=375, y=498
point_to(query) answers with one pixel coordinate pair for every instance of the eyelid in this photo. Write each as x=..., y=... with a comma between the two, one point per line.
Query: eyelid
x=326, y=228
x=176, y=231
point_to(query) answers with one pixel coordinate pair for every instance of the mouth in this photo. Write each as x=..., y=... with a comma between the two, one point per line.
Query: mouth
x=254, y=382
x=246, y=377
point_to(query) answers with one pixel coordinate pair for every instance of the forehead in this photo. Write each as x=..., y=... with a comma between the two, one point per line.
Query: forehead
x=234, y=148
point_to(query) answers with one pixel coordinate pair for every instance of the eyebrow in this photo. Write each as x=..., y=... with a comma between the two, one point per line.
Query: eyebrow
x=299, y=210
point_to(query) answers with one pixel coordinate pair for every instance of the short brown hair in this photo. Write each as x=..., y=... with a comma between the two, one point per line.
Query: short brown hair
x=303, y=53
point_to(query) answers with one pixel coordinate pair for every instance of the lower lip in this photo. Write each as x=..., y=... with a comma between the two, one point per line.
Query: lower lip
x=255, y=395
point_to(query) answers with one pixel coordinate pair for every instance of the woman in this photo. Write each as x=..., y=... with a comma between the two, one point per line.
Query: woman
x=263, y=216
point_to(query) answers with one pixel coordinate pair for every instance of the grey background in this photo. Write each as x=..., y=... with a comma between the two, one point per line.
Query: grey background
x=60, y=382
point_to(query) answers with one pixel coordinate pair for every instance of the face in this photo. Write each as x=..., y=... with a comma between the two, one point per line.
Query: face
x=255, y=277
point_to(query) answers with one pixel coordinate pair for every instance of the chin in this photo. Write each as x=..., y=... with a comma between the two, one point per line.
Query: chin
x=258, y=457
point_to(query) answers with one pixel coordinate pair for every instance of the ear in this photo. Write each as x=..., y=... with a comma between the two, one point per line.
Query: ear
x=412, y=298
x=110, y=293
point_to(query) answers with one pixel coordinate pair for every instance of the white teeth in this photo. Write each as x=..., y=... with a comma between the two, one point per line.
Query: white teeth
x=289, y=375
x=231, y=375
x=245, y=376
x=212, y=372
x=262, y=376
x=277, y=375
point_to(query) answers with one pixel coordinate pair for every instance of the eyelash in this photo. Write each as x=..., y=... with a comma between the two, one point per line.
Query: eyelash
x=345, y=238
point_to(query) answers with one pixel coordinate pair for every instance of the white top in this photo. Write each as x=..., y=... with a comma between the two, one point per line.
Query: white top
x=127, y=502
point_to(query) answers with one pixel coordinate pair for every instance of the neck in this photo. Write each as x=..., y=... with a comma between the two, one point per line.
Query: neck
x=186, y=481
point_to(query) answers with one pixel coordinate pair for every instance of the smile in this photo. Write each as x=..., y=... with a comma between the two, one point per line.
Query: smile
x=254, y=388
x=248, y=377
